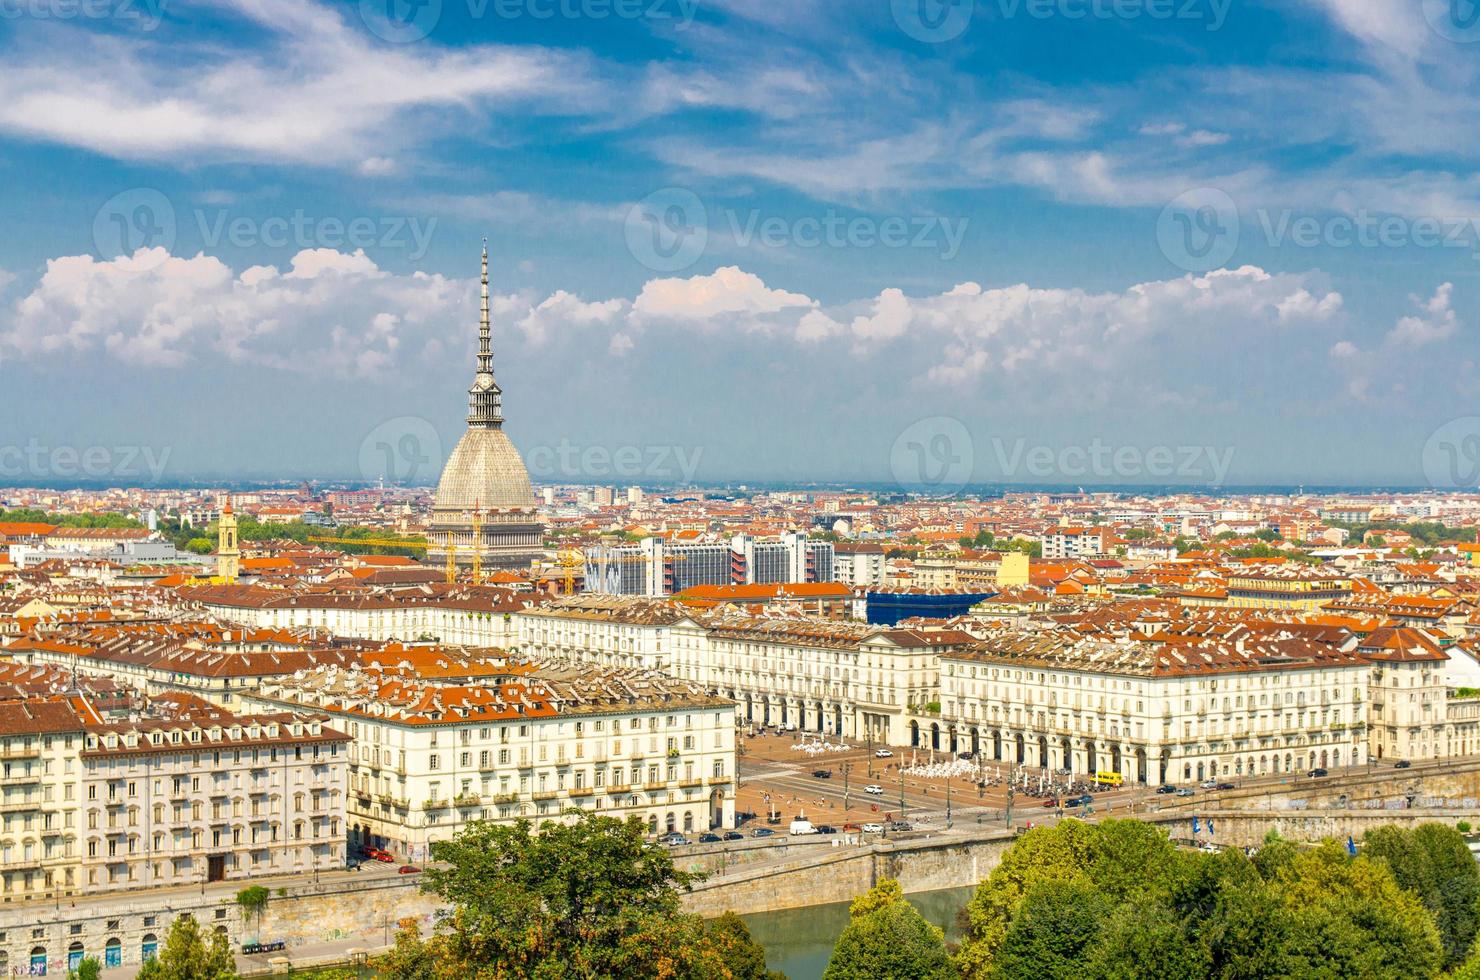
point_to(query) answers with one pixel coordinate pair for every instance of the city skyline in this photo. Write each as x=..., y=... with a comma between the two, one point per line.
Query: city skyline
x=1045, y=244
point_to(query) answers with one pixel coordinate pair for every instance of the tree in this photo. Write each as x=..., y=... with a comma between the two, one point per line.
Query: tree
x=745, y=958
x=1350, y=918
x=88, y=969
x=584, y=899
x=888, y=938
x=1054, y=930
x=1433, y=863
x=190, y=954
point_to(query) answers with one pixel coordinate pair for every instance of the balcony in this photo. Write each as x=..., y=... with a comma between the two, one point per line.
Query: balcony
x=21, y=751
x=10, y=805
x=545, y=794
x=435, y=805
x=465, y=800
x=617, y=789
x=690, y=783
x=659, y=785
x=21, y=778
x=504, y=799
x=580, y=791
x=387, y=799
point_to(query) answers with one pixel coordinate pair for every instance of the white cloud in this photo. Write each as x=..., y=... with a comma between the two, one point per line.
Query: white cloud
x=728, y=292
x=378, y=167
x=1436, y=320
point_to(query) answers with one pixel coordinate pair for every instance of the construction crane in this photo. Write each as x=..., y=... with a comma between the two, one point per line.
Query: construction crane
x=571, y=559
x=477, y=544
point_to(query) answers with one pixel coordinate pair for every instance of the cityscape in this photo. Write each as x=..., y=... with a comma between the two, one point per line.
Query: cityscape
x=583, y=489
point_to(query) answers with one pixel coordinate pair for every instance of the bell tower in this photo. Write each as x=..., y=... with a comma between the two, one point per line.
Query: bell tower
x=228, y=555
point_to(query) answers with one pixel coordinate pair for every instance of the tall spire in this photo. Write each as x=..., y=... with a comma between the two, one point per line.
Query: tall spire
x=485, y=398
x=485, y=327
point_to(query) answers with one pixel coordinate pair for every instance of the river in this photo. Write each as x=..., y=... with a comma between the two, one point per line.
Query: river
x=799, y=941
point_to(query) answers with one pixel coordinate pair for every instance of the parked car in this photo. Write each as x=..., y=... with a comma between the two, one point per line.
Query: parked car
x=734, y=835
x=377, y=854
x=674, y=839
x=1166, y=788
x=826, y=828
x=1210, y=784
x=1225, y=786
x=410, y=869
x=851, y=828
x=1051, y=802
x=899, y=826
x=1185, y=791
x=883, y=754
x=801, y=828
x=1403, y=764
x=1083, y=800
x=1317, y=772
x=874, y=789
x=710, y=838
x=763, y=832
x=964, y=755
x=873, y=828
x=821, y=773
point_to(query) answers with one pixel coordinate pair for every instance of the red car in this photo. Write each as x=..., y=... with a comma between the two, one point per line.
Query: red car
x=376, y=854
x=407, y=869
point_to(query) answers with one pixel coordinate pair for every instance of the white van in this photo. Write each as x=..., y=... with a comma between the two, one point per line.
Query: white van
x=800, y=828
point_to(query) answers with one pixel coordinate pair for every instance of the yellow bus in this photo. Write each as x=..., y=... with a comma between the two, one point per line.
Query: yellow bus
x=1109, y=778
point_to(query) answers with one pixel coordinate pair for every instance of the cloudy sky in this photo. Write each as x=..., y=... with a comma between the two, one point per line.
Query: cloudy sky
x=1044, y=241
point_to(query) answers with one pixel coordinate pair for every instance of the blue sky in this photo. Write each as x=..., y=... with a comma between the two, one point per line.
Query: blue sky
x=786, y=241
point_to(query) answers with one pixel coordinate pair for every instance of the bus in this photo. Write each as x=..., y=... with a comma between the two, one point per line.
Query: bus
x=1109, y=779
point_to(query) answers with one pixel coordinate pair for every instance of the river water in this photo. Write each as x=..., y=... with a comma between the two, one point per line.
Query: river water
x=799, y=941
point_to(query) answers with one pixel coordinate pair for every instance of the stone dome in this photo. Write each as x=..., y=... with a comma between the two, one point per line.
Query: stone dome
x=484, y=471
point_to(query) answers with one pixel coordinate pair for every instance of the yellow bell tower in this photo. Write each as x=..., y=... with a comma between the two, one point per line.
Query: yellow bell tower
x=228, y=555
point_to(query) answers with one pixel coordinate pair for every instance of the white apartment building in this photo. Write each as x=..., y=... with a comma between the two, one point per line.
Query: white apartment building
x=429, y=757
x=211, y=798
x=1155, y=712
x=1072, y=542
x=470, y=617
x=859, y=563
x=88, y=805
x=847, y=679
x=609, y=630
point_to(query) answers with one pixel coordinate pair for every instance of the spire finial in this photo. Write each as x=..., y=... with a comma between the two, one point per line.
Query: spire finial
x=486, y=409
